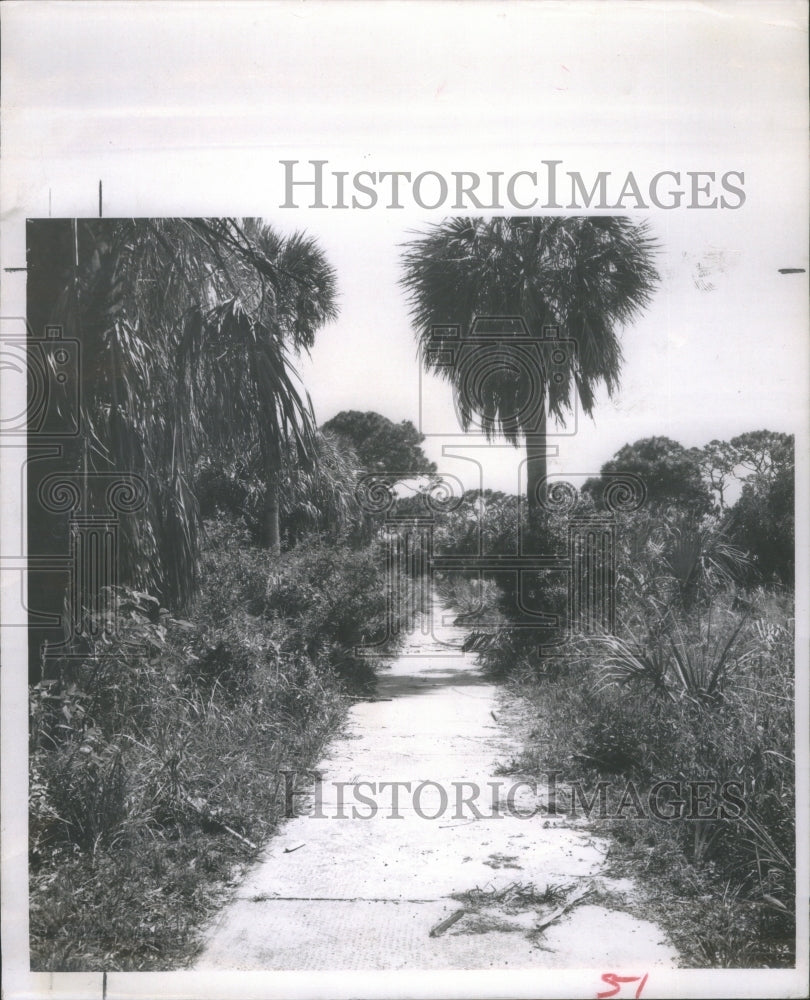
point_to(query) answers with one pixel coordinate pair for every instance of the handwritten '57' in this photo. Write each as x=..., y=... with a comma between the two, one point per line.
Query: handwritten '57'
x=618, y=981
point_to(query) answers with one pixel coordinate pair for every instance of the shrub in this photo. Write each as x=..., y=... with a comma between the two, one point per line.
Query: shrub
x=763, y=520
x=331, y=601
x=155, y=757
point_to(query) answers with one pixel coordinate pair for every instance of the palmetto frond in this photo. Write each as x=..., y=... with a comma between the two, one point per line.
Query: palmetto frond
x=699, y=556
x=246, y=389
x=323, y=496
x=587, y=276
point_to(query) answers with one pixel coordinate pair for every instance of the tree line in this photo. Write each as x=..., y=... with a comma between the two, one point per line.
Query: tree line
x=191, y=329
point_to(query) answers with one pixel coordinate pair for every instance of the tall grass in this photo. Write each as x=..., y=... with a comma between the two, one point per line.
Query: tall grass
x=156, y=759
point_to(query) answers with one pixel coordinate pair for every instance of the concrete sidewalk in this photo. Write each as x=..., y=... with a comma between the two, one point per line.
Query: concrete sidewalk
x=352, y=883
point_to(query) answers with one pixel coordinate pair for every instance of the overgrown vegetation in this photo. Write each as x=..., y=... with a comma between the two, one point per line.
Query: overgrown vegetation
x=695, y=683
x=155, y=761
x=246, y=583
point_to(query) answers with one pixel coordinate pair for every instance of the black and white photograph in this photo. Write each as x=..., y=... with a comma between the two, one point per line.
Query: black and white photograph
x=404, y=451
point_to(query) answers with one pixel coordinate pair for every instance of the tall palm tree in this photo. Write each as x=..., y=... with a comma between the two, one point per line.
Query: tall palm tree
x=188, y=329
x=585, y=275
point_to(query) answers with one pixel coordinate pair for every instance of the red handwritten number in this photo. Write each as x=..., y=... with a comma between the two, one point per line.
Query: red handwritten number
x=616, y=982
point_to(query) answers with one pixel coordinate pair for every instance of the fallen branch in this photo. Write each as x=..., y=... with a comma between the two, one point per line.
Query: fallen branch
x=206, y=814
x=442, y=926
x=576, y=896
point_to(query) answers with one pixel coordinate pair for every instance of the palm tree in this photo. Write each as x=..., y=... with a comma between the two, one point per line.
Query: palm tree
x=584, y=275
x=251, y=381
x=188, y=329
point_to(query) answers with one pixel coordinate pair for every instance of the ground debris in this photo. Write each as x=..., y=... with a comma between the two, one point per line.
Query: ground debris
x=207, y=813
x=515, y=896
x=443, y=925
x=499, y=908
x=576, y=896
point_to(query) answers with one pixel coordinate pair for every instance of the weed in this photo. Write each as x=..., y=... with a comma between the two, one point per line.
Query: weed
x=155, y=760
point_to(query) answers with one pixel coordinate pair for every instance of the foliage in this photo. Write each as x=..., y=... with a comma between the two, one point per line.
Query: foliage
x=584, y=274
x=155, y=759
x=700, y=478
x=755, y=454
x=484, y=522
x=148, y=783
x=670, y=473
x=690, y=658
x=696, y=684
x=671, y=561
x=320, y=499
x=734, y=877
x=763, y=523
x=718, y=462
x=763, y=453
x=381, y=445
x=331, y=600
x=185, y=327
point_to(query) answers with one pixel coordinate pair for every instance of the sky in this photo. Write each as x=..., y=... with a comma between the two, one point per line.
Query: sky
x=716, y=353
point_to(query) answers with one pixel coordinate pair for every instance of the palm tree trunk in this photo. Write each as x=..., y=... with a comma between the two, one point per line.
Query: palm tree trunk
x=272, y=533
x=536, y=466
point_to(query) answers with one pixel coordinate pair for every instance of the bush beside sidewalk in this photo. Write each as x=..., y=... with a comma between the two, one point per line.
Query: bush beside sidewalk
x=696, y=683
x=155, y=759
